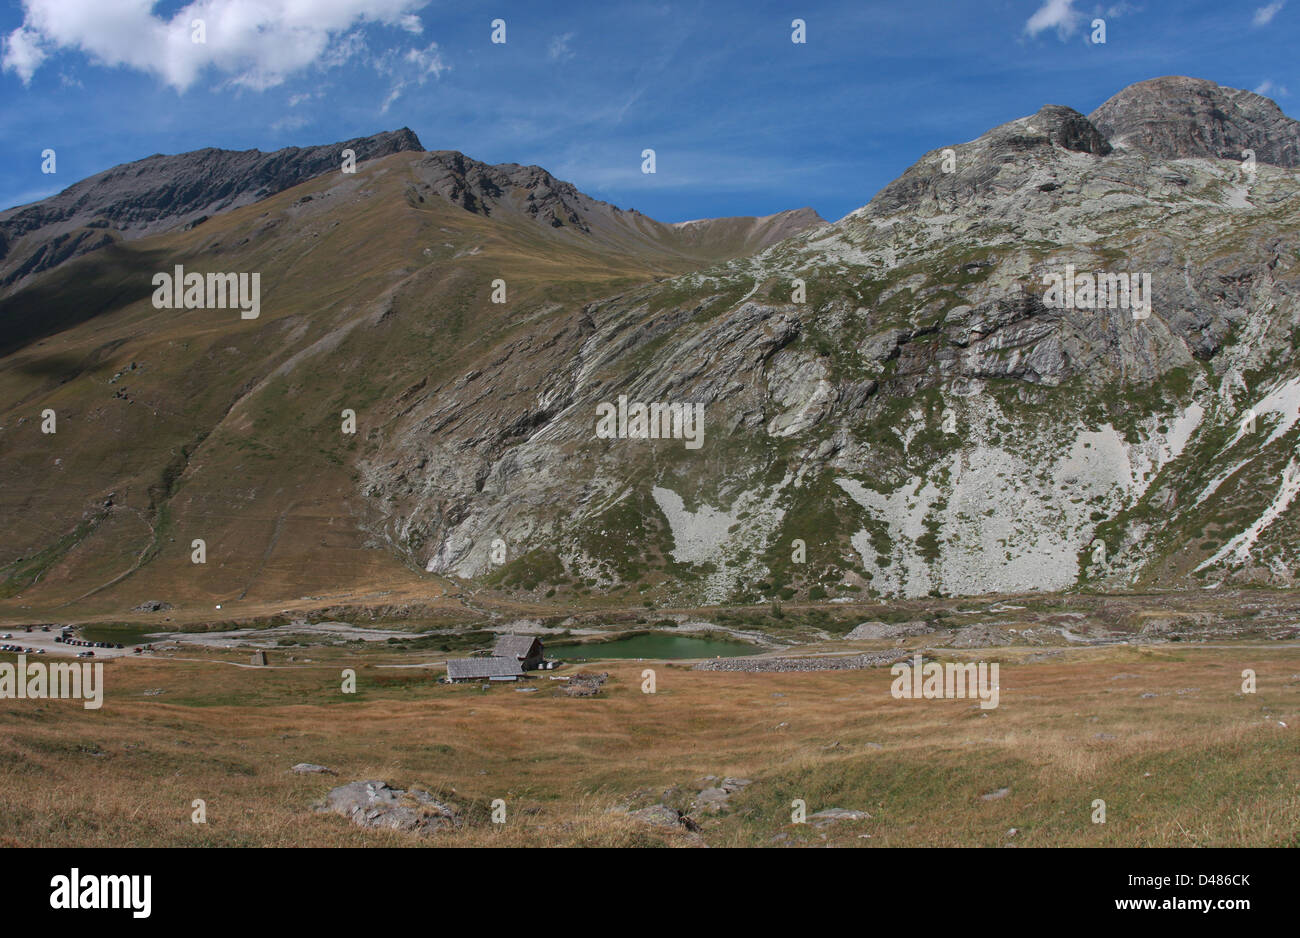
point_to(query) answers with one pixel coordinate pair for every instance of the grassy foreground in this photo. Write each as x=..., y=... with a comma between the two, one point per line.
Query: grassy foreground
x=1200, y=763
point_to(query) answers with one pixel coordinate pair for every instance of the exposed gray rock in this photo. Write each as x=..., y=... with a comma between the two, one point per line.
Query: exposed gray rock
x=512, y=189
x=375, y=804
x=712, y=800
x=980, y=164
x=661, y=815
x=877, y=630
x=980, y=635
x=829, y=816
x=1175, y=117
x=585, y=684
x=308, y=768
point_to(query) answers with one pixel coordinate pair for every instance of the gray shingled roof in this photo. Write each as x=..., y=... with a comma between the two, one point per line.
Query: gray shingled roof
x=459, y=668
x=514, y=646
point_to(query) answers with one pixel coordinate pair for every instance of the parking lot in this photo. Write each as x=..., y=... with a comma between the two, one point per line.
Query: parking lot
x=37, y=640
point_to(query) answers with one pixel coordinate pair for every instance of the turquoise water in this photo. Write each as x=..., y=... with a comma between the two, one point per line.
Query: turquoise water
x=653, y=645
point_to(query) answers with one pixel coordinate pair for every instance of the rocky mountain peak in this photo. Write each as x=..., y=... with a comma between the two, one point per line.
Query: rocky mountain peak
x=147, y=195
x=482, y=188
x=1175, y=117
x=1007, y=151
x=162, y=192
x=1066, y=127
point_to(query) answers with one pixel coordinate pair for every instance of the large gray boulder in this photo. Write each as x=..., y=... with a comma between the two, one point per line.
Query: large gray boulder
x=375, y=804
x=875, y=630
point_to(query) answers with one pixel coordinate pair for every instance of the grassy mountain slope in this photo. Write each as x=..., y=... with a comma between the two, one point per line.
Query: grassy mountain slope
x=181, y=424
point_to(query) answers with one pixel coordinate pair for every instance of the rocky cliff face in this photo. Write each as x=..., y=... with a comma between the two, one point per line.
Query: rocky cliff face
x=1177, y=118
x=926, y=418
x=160, y=193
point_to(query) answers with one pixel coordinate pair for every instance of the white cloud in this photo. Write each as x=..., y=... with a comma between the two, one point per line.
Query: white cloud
x=427, y=61
x=1266, y=87
x=22, y=54
x=1054, y=14
x=1264, y=15
x=559, y=50
x=256, y=43
x=413, y=68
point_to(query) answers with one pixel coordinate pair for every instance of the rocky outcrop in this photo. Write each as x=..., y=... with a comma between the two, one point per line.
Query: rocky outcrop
x=483, y=188
x=716, y=797
x=309, y=768
x=1176, y=117
x=509, y=189
x=879, y=630
x=994, y=161
x=377, y=805
x=585, y=684
x=829, y=816
x=660, y=815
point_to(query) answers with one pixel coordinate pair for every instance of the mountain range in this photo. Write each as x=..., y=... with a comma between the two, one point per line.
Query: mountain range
x=894, y=404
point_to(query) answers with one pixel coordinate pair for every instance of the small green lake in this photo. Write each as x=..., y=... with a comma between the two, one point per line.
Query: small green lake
x=118, y=634
x=653, y=645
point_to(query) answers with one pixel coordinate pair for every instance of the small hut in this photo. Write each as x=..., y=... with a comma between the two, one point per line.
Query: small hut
x=478, y=669
x=526, y=649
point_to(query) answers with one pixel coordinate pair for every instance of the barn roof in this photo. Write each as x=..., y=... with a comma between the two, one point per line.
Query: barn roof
x=514, y=646
x=458, y=668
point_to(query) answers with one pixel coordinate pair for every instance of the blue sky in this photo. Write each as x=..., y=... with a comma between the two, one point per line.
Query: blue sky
x=743, y=120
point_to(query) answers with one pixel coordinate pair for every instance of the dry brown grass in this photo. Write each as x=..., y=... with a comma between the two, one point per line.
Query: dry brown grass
x=1208, y=766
